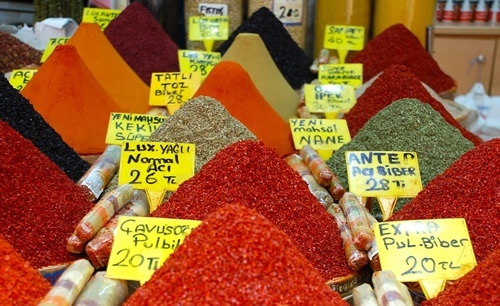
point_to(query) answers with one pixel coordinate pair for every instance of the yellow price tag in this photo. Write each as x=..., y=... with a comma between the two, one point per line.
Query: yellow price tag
x=156, y=165
x=131, y=127
x=320, y=134
x=344, y=37
x=100, y=16
x=329, y=98
x=142, y=244
x=208, y=28
x=425, y=249
x=383, y=173
x=20, y=77
x=198, y=61
x=345, y=74
x=172, y=89
x=51, y=46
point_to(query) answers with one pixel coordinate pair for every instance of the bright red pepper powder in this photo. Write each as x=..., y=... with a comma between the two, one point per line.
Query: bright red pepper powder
x=238, y=257
x=477, y=287
x=469, y=189
x=251, y=174
x=21, y=284
x=399, y=46
x=395, y=83
x=41, y=206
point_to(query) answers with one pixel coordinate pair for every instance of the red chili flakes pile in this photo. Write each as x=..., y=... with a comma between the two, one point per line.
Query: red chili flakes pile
x=40, y=205
x=478, y=287
x=238, y=257
x=469, y=189
x=395, y=83
x=251, y=174
x=398, y=45
x=21, y=284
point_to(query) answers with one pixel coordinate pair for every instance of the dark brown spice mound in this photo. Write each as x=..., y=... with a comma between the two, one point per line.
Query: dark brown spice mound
x=21, y=284
x=249, y=173
x=398, y=45
x=41, y=205
x=236, y=256
x=19, y=113
x=14, y=54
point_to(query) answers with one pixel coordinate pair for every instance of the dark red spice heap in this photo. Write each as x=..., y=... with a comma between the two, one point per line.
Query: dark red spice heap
x=236, y=256
x=251, y=174
x=19, y=113
x=395, y=83
x=469, y=189
x=478, y=287
x=41, y=205
x=398, y=45
x=142, y=42
x=21, y=284
x=290, y=59
x=14, y=54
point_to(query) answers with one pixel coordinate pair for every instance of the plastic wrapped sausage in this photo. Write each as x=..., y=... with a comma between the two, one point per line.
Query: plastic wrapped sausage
x=357, y=221
x=103, y=291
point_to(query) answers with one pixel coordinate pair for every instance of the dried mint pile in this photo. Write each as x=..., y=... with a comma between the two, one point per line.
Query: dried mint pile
x=236, y=256
x=406, y=125
x=290, y=59
x=19, y=113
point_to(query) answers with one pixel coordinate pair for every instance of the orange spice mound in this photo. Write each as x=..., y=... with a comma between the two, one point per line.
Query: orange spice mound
x=71, y=100
x=398, y=45
x=21, y=283
x=119, y=80
x=232, y=86
x=395, y=83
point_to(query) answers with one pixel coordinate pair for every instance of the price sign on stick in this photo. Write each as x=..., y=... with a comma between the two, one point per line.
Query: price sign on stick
x=131, y=127
x=156, y=166
x=332, y=98
x=198, y=61
x=100, y=16
x=19, y=78
x=386, y=175
x=323, y=135
x=427, y=251
x=344, y=38
x=345, y=74
x=142, y=244
x=51, y=46
x=172, y=89
x=208, y=29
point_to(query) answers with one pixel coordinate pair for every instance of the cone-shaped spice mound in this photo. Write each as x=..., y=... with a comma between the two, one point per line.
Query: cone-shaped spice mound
x=236, y=256
x=71, y=100
x=114, y=74
x=406, y=125
x=394, y=83
x=469, y=189
x=478, y=287
x=288, y=56
x=141, y=41
x=230, y=84
x=21, y=284
x=250, y=174
x=41, y=204
x=14, y=54
x=250, y=52
x=22, y=117
x=398, y=45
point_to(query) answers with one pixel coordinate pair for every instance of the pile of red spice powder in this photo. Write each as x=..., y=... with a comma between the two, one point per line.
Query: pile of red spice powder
x=395, y=83
x=141, y=41
x=469, y=189
x=21, y=284
x=41, y=206
x=398, y=45
x=477, y=287
x=236, y=256
x=251, y=174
